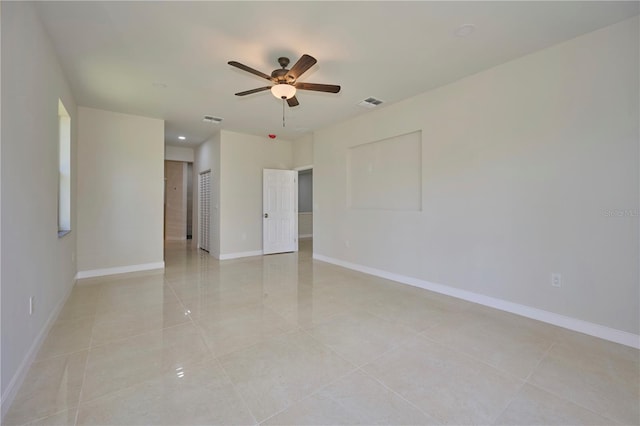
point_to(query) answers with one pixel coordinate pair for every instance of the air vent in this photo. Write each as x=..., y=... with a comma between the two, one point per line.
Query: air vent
x=370, y=103
x=212, y=119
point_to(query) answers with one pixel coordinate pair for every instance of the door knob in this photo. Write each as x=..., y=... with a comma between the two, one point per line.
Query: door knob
x=266, y=215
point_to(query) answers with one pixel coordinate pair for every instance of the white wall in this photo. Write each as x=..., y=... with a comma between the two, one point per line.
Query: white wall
x=207, y=157
x=243, y=157
x=522, y=167
x=39, y=264
x=179, y=153
x=303, y=151
x=120, y=191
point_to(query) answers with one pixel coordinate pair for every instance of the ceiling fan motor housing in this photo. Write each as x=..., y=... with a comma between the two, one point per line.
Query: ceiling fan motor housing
x=280, y=76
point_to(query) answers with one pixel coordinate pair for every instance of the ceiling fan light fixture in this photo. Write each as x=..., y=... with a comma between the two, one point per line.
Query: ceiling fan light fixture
x=283, y=91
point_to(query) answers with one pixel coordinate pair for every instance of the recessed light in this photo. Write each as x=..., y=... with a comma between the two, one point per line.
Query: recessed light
x=464, y=30
x=181, y=138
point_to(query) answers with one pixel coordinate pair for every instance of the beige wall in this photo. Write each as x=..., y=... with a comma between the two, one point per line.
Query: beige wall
x=243, y=157
x=179, y=153
x=207, y=157
x=523, y=169
x=120, y=191
x=35, y=262
x=303, y=151
x=236, y=161
x=175, y=208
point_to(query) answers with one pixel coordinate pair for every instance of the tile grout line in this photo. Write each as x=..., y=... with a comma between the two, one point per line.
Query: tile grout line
x=357, y=368
x=109, y=394
x=235, y=389
x=427, y=414
x=242, y=348
x=61, y=354
x=321, y=387
x=216, y=360
x=524, y=383
x=88, y=349
x=560, y=397
x=332, y=350
x=513, y=397
x=305, y=331
x=473, y=358
x=153, y=330
x=361, y=368
x=233, y=385
x=184, y=308
x=67, y=354
x=542, y=358
x=86, y=365
x=43, y=418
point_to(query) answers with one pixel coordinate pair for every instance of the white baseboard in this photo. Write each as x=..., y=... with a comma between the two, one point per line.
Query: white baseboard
x=240, y=254
x=119, y=270
x=21, y=373
x=305, y=236
x=581, y=326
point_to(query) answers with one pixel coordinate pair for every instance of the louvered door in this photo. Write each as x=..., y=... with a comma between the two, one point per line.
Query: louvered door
x=205, y=210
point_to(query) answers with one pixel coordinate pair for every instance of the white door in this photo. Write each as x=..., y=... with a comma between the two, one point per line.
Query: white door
x=205, y=209
x=280, y=207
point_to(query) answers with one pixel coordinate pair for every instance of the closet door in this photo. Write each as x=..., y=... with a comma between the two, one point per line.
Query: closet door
x=205, y=210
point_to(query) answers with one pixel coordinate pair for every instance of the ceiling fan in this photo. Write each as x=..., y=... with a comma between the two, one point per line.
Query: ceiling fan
x=285, y=81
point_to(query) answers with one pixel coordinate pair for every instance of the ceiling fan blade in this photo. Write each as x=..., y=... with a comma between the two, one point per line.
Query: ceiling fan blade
x=300, y=67
x=248, y=92
x=243, y=67
x=329, y=88
x=293, y=101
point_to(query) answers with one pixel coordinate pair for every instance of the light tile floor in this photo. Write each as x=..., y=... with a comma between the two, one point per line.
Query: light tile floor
x=286, y=340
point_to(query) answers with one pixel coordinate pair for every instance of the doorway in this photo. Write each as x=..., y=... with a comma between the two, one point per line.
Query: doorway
x=305, y=204
x=177, y=200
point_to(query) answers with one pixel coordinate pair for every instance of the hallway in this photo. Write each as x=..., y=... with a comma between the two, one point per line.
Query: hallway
x=283, y=339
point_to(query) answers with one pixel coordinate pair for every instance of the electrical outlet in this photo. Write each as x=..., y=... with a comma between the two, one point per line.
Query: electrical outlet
x=30, y=305
x=556, y=280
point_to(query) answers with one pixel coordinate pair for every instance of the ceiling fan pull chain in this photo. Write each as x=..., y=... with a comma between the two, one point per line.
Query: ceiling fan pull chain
x=283, y=111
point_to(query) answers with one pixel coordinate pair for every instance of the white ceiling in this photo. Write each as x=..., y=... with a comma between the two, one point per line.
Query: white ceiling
x=169, y=59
